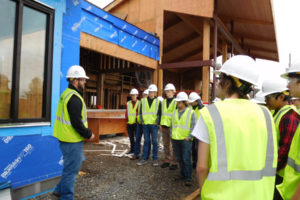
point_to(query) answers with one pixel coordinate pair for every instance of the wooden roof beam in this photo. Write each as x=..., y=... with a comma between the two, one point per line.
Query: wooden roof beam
x=113, y=4
x=227, y=19
x=255, y=48
x=187, y=64
x=223, y=29
x=192, y=22
x=180, y=43
x=254, y=37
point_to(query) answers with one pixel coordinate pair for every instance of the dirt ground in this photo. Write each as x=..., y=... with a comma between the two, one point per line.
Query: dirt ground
x=114, y=176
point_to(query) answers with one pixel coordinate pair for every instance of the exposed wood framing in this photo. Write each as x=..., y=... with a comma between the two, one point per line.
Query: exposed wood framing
x=102, y=46
x=187, y=64
x=206, y=55
x=227, y=19
x=113, y=4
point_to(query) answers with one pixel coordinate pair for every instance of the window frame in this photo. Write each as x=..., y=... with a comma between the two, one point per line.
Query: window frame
x=47, y=83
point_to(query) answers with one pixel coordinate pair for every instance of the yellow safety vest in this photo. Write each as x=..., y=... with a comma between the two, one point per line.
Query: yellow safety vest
x=197, y=112
x=243, y=151
x=181, y=128
x=291, y=178
x=277, y=118
x=149, y=113
x=131, y=112
x=63, y=129
x=167, y=112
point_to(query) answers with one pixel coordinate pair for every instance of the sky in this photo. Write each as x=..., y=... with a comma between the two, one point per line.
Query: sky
x=286, y=15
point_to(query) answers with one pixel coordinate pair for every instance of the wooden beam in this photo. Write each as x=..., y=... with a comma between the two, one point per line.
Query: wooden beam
x=180, y=43
x=187, y=64
x=255, y=48
x=96, y=44
x=188, y=54
x=206, y=55
x=240, y=20
x=264, y=57
x=172, y=24
x=224, y=51
x=193, y=22
x=113, y=4
x=223, y=29
x=193, y=196
x=254, y=37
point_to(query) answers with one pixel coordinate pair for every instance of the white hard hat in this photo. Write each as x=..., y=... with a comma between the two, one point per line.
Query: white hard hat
x=170, y=86
x=259, y=98
x=134, y=91
x=152, y=88
x=76, y=71
x=242, y=67
x=193, y=97
x=146, y=92
x=160, y=98
x=181, y=96
x=295, y=68
x=273, y=85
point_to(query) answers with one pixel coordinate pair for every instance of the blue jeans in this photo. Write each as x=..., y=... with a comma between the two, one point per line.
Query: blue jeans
x=138, y=138
x=73, y=157
x=183, y=151
x=150, y=131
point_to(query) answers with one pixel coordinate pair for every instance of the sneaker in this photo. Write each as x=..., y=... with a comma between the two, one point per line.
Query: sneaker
x=165, y=165
x=129, y=153
x=179, y=178
x=155, y=163
x=134, y=158
x=55, y=194
x=173, y=167
x=141, y=162
x=188, y=183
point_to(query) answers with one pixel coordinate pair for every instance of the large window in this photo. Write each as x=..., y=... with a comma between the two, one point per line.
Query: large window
x=26, y=37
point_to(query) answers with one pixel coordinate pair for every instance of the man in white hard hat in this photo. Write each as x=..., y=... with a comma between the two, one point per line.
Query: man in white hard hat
x=285, y=117
x=289, y=189
x=168, y=107
x=70, y=128
x=145, y=93
x=183, y=122
x=196, y=103
x=131, y=118
x=150, y=114
x=237, y=152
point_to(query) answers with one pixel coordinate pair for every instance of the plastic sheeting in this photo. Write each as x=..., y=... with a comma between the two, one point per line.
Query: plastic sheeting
x=101, y=24
x=29, y=159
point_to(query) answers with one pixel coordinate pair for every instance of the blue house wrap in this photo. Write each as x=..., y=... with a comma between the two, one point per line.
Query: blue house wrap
x=30, y=154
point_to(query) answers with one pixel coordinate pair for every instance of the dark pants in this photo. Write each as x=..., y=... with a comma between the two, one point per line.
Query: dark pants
x=278, y=181
x=131, y=129
x=183, y=151
x=195, y=152
x=150, y=136
x=138, y=138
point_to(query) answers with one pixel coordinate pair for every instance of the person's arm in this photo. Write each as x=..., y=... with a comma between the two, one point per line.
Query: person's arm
x=193, y=122
x=287, y=129
x=74, y=108
x=202, y=163
x=141, y=113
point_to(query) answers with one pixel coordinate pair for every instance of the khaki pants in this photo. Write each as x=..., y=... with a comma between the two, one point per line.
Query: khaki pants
x=167, y=142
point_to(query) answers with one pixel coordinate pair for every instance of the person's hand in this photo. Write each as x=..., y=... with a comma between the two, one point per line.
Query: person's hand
x=160, y=128
x=92, y=137
x=187, y=139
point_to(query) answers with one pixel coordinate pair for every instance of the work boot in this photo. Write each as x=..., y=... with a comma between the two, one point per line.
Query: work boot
x=134, y=158
x=188, y=183
x=141, y=162
x=155, y=163
x=130, y=153
x=173, y=167
x=165, y=164
x=55, y=194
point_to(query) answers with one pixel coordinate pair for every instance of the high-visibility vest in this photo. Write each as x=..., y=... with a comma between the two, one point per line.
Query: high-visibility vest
x=131, y=112
x=181, y=128
x=291, y=178
x=63, y=129
x=197, y=112
x=167, y=112
x=149, y=113
x=243, y=151
x=277, y=118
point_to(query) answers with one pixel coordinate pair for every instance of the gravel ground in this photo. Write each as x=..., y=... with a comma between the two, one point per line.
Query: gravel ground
x=109, y=177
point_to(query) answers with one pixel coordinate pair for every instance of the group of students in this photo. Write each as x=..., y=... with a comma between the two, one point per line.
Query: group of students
x=245, y=150
x=174, y=117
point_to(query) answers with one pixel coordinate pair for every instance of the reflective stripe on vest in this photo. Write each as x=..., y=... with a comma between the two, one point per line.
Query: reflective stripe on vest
x=149, y=115
x=186, y=126
x=167, y=113
x=223, y=174
x=277, y=116
x=291, y=163
x=131, y=112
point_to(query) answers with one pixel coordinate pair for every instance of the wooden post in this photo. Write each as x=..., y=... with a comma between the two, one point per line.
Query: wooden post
x=100, y=92
x=224, y=50
x=206, y=56
x=160, y=82
x=154, y=77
